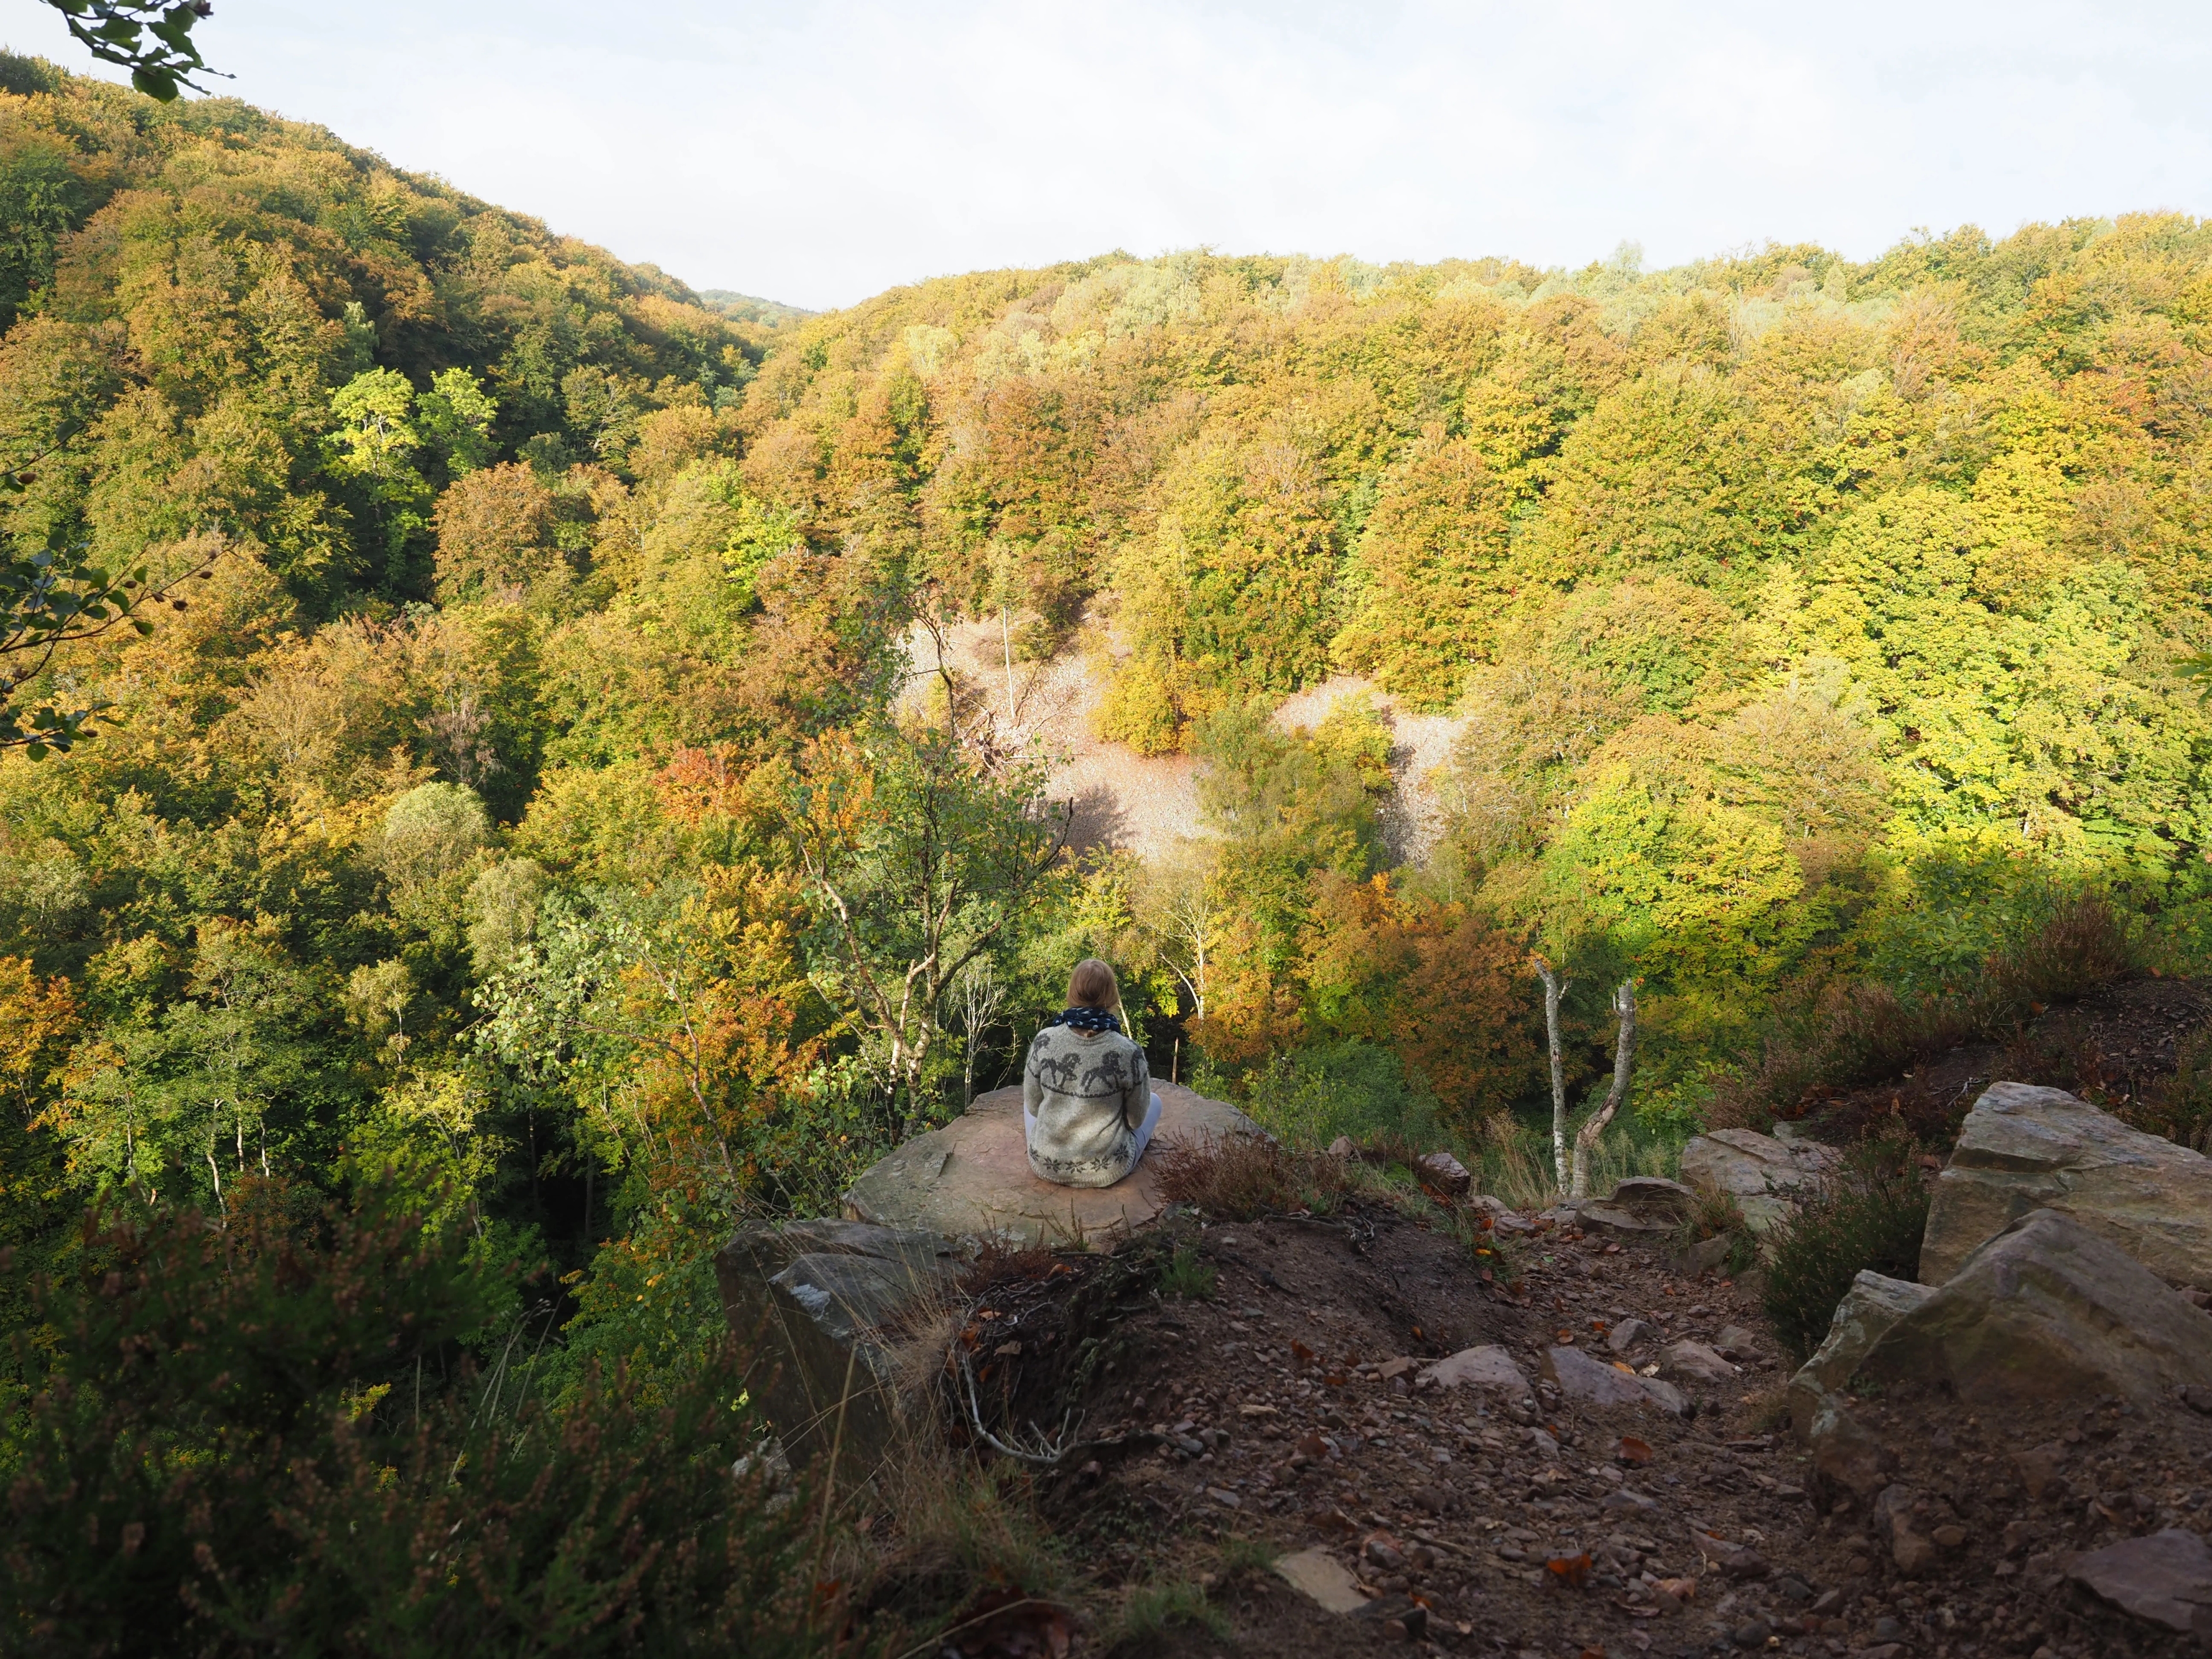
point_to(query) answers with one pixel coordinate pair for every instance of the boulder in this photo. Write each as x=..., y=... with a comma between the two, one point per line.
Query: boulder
x=1653, y=1198
x=972, y=1178
x=1595, y=1216
x=1440, y=1170
x=1486, y=1367
x=2048, y=1311
x=1758, y=1171
x=808, y=1301
x=1646, y=1206
x=1578, y=1377
x=1868, y=1308
x=2165, y=1578
x=2024, y=1148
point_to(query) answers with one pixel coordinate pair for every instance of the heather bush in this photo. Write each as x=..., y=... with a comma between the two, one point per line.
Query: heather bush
x=263, y=1437
x=1870, y=1216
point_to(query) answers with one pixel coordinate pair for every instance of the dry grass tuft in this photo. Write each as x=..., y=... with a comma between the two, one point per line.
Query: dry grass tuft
x=1242, y=1177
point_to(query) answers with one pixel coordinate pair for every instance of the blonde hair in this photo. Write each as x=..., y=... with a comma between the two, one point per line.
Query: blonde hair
x=1092, y=985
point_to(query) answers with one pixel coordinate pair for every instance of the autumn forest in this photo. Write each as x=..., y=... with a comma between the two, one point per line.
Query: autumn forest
x=537, y=833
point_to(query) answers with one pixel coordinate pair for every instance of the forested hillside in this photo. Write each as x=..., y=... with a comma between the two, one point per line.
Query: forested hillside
x=532, y=819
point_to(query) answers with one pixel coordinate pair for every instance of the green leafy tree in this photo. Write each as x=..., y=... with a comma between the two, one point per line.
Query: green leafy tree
x=151, y=39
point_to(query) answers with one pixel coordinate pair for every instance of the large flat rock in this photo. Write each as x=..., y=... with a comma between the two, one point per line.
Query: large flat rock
x=2048, y=1311
x=1764, y=1176
x=972, y=1179
x=2023, y=1148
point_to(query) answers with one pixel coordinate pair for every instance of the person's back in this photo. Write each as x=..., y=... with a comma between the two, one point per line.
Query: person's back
x=1087, y=1103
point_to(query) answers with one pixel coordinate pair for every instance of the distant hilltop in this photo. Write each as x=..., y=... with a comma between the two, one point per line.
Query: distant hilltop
x=747, y=309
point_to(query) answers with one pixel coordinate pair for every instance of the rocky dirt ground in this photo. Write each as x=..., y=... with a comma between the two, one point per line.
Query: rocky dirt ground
x=1288, y=1409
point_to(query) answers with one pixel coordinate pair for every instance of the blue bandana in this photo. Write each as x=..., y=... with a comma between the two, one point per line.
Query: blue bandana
x=1087, y=1019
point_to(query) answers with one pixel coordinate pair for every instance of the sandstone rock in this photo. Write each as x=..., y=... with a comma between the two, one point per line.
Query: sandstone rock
x=1486, y=1367
x=2040, y=1466
x=1626, y=1334
x=2165, y=1578
x=2024, y=1148
x=1653, y=1197
x=1322, y=1579
x=1736, y=1343
x=1847, y=1456
x=1442, y=1171
x=1503, y=1217
x=1736, y=1560
x=972, y=1178
x=807, y=1301
x=1868, y=1308
x=1592, y=1216
x=1341, y=1147
x=1578, y=1377
x=1758, y=1171
x=1894, y=1521
x=2048, y=1310
x=1694, y=1359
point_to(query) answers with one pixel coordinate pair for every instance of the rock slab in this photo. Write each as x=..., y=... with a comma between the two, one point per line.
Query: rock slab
x=971, y=1179
x=2049, y=1311
x=1578, y=1377
x=2165, y=1578
x=1760, y=1173
x=1486, y=1367
x=1322, y=1579
x=2023, y=1148
x=809, y=1301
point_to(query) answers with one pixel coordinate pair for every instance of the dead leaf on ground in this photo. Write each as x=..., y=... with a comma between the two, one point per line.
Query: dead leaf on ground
x=1633, y=1451
x=1572, y=1570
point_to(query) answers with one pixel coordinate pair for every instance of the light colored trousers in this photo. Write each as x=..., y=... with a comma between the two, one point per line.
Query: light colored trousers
x=1144, y=1130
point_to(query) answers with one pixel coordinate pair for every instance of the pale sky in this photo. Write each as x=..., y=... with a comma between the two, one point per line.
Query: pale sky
x=817, y=153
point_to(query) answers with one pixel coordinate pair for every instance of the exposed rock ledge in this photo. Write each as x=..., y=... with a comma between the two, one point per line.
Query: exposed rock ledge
x=972, y=1179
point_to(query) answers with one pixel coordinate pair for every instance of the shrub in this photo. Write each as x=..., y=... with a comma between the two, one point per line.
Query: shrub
x=240, y=1443
x=1185, y=1275
x=2083, y=944
x=1843, y=1036
x=2180, y=1109
x=1870, y=1216
x=1309, y=1096
x=1152, y=1611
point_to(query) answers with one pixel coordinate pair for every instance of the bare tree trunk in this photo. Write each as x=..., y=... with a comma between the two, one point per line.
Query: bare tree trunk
x=1624, y=1059
x=1555, y=987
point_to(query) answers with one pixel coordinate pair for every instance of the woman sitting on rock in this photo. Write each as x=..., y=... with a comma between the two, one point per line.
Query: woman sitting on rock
x=1087, y=1099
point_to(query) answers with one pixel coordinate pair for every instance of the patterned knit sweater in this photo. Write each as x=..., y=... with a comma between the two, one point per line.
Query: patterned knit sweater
x=1088, y=1092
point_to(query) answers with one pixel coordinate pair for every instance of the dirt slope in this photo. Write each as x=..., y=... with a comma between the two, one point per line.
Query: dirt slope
x=1302, y=1438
